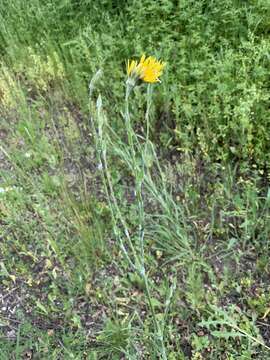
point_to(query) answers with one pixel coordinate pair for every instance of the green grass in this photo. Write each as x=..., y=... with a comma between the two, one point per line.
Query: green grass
x=134, y=228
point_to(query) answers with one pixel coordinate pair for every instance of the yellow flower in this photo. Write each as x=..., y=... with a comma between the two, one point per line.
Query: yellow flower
x=148, y=69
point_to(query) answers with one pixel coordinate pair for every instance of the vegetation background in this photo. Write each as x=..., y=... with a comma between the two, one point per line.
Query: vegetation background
x=139, y=234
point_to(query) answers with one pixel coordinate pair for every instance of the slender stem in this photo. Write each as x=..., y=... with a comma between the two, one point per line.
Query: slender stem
x=147, y=114
x=128, y=124
x=237, y=328
x=101, y=144
x=156, y=324
x=138, y=175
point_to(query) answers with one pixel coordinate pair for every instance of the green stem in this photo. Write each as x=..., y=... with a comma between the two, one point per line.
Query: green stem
x=156, y=324
x=147, y=114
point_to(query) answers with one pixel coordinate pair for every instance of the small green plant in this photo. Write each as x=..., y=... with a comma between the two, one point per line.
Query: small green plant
x=232, y=324
x=115, y=338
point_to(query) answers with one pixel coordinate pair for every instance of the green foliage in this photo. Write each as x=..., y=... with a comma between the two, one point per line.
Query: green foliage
x=231, y=325
x=216, y=53
x=115, y=245
x=115, y=338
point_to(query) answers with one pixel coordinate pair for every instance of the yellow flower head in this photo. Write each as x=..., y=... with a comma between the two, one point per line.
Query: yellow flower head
x=148, y=69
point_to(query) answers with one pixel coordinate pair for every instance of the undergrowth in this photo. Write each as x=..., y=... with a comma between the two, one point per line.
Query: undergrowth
x=134, y=227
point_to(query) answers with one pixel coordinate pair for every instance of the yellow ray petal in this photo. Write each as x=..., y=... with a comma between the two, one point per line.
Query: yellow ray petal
x=148, y=69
